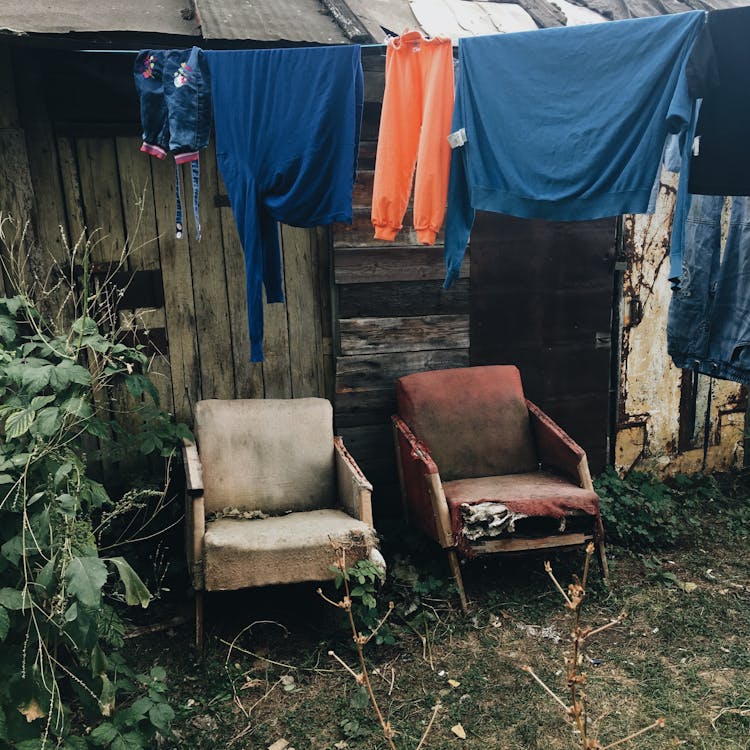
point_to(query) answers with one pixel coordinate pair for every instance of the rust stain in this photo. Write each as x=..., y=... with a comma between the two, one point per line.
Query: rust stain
x=649, y=399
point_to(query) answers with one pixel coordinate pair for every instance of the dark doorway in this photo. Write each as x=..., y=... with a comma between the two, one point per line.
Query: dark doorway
x=541, y=298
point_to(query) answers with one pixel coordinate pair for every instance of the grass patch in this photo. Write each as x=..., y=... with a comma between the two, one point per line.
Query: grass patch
x=683, y=653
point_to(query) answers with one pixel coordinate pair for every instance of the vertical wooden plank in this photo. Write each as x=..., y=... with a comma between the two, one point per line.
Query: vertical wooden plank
x=277, y=377
x=48, y=252
x=100, y=190
x=326, y=292
x=210, y=289
x=136, y=189
x=178, y=295
x=71, y=187
x=248, y=376
x=303, y=311
x=8, y=106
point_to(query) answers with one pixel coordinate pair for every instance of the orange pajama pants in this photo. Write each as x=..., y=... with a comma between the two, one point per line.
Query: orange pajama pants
x=414, y=127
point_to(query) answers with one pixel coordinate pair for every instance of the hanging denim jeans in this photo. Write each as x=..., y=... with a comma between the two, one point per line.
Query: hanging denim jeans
x=175, y=97
x=708, y=329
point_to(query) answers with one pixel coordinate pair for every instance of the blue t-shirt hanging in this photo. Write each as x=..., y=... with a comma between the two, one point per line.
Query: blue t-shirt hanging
x=565, y=123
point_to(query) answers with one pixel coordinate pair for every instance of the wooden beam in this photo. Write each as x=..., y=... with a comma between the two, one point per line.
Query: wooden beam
x=373, y=371
x=517, y=545
x=403, y=334
x=347, y=21
x=371, y=264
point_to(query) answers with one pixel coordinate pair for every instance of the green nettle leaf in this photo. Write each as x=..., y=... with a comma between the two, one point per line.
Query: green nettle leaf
x=85, y=326
x=8, y=329
x=12, y=550
x=47, y=421
x=13, y=304
x=159, y=673
x=85, y=577
x=62, y=472
x=34, y=377
x=67, y=372
x=6, y=479
x=13, y=599
x=104, y=734
x=4, y=628
x=75, y=743
x=71, y=613
x=18, y=423
x=135, y=590
x=161, y=716
x=78, y=407
x=39, y=401
x=129, y=741
x=46, y=577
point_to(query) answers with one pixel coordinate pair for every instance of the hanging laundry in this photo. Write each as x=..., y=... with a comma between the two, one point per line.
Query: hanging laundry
x=708, y=327
x=287, y=135
x=719, y=71
x=175, y=104
x=565, y=123
x=414, y=126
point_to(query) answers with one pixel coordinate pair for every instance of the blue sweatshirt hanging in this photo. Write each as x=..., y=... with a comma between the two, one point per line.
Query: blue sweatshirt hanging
x=565, y=123
x=287, y=127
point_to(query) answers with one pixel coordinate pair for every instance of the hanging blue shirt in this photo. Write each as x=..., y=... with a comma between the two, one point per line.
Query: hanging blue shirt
x=565, y=123
x=287, y=135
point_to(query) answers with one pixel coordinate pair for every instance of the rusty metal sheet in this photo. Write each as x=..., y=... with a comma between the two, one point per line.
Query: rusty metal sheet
x=269, y=21
x=541, y=298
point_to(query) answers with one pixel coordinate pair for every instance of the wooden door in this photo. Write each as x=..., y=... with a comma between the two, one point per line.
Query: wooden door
x=541, y=298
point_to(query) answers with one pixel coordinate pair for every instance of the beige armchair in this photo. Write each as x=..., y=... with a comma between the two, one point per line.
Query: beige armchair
x=269, y=491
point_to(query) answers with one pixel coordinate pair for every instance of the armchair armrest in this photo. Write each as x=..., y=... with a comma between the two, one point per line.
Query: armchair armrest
x=421, y=485
x=355, y=492
x=556, y=449
x=195, y=513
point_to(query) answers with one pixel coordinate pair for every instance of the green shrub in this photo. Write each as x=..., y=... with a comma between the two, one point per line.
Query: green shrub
x=60, y=668
x=642, y=512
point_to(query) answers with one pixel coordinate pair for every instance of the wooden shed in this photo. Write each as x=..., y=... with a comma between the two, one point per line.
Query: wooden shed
x=359, y=312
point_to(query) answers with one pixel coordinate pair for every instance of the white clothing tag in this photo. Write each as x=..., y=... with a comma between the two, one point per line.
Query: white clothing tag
x=457, y=138
x=696, y=145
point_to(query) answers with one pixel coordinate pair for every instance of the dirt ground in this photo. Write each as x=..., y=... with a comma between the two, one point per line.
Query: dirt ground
x=683, y=653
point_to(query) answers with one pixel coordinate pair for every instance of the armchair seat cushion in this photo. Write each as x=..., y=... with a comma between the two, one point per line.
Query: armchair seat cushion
x=539, y=493
x=282, y=549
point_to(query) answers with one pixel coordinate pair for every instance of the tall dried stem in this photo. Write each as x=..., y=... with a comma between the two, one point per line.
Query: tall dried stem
x=576, y=679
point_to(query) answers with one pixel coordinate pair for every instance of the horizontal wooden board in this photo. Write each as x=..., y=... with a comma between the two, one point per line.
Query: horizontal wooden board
x=360, y=232
x=370, y=371
x=403, y=334
x=403, y=298
x=377, y=264
x=364, y=407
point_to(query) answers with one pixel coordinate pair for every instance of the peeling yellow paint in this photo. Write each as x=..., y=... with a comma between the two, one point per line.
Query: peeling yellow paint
x=649, y=406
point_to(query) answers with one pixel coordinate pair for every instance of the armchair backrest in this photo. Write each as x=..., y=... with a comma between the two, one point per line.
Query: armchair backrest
x=473, y=420
x=274, y=455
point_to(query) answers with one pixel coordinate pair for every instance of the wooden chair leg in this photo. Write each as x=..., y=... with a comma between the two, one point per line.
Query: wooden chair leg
x=456, y=570
x=602, y=557
x=199, y=620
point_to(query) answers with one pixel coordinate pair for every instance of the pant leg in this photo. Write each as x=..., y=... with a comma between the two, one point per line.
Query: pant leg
x=434, y=154
x=398, y=140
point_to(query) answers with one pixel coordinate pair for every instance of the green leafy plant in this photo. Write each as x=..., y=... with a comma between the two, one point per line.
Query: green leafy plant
x=642, y=512
x=363, y=578
x=59, y=634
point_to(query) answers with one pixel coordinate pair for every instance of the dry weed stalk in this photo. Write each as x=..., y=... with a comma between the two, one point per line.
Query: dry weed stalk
x=360, y=641
x=575, y=678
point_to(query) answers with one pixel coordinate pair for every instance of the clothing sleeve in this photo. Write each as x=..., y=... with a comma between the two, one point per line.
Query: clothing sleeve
x=459, y=218
x=460, y=215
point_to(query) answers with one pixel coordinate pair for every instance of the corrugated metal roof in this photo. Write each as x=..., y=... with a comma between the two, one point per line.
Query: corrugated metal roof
x=269, y=21
x=50, y=17
x=460, y=18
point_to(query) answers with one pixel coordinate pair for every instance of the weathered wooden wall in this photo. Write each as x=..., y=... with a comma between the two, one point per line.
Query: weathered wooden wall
x=393, y=317
x=187, y=298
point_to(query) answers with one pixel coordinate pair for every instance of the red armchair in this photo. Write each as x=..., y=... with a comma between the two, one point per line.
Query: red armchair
x=483, y=470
